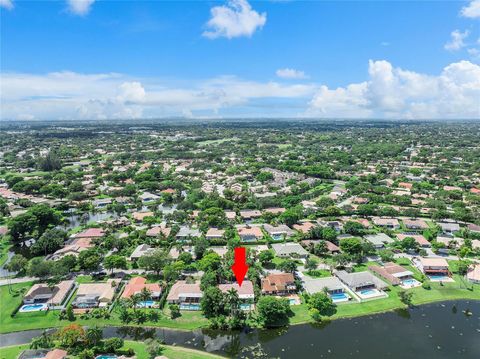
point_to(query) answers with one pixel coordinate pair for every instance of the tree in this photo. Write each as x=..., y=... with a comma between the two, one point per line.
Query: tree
x=409, y=244
x=71, y=335
x=111, y=345
x=69, y=313
x=311, y=264
x=273, y=312
x=354, y=228
x=51, y=162
x=212, y=302
x=115, y=261
x=93, y=335
x=89, y=259
x=211, y=261
x=463, y=266
x=45, y=216
x=153, y=347
x=44, y=341
x=209, y=279
x=288, y=265
x=320, y=304
x=155, y=261
x=22, y=225
x=405, y=297
x=351, y=246
x=51, y=240
x=201, y=245
x=320, y=249
x=18, y=263
x=174, y=311
x=38, y=267
x=265, y=257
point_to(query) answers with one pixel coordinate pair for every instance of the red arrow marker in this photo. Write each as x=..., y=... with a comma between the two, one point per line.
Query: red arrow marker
x=240, y=267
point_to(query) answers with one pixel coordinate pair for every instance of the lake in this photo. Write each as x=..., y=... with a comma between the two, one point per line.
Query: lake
x=440, y=330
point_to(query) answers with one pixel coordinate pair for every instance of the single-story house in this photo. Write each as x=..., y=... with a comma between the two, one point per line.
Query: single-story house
x=278, y=232
x=378, y=240
x=231, y=215
x=361, y=281
x=221, y=251
x=72, y=249
x=148, y=197
x=392, y=273
x=157, y=231
x=214, y=233
x=54, y=296
x=391, y=223
x=433, y=266
x=475, y=228
x=102, y=202
x=92, y=233
x=137, y=284
x=279, y=284
x=245, y=292
x=43, y=354
x=249, y=234
x=187, y=295
x=289, y=249
x=140, y=216
x=274, y=210
x=186, y=233
x=250, y=214
x=140, y=251
x=332, y=285
x=473, y=274
x=449, y=227
x=419, y=238
x=90, y=295
x=304, y=227
x=415, y=224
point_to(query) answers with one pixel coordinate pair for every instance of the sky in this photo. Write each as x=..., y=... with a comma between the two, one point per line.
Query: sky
x=91, y=59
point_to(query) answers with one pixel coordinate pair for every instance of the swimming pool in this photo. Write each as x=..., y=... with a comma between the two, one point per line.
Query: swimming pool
x=106, y=357
x=368, y=291
x=146, y=304
x=190, y=306
x=33, y=307
x=410, y=282
x=438, y=277
x=338, y=296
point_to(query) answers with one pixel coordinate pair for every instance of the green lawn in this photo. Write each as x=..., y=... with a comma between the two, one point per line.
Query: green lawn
x=172, y=352
x=4, y=247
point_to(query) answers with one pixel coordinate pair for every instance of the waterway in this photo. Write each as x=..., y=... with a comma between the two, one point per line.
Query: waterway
x=440, y=330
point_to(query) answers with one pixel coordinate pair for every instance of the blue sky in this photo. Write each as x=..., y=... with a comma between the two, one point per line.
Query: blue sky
x=268, y=58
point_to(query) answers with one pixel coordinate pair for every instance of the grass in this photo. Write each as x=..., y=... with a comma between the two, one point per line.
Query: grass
x=172, y=352
x=4, y=247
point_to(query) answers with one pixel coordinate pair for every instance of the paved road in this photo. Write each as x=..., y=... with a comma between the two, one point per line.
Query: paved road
x=16, y=280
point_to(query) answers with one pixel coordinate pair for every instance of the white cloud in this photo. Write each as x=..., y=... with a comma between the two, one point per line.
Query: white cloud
x=472, y=10
x=132, y=92
x=80, y=7
x=456, y=40
x=235, y=19
x=287, y=73
x=6, y=4
x=395, y=93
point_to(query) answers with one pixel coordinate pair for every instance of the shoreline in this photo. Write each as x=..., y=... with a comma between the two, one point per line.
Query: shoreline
x=292, y=324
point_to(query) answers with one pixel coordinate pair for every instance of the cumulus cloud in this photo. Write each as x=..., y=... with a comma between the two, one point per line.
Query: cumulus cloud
x=6, y=4
x=287, y=73
x=472, y=10
x=80, y=7
x=396, y=93
x=456, y=40
x=235, y=19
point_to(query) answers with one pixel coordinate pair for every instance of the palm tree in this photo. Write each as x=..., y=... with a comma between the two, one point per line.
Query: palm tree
x=94, y=335
x=233, y=302
x=134, y=300
x=145, y=295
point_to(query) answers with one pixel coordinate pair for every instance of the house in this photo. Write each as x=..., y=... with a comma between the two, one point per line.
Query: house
x=473, y=274
x=420, y=239
x=214, y=233
x=378, y=240
x=289, y=250
x=405, y=185
x=449, y=227
x=474, y=228
x=221, y=251
x=137, y=284
x=92, y=233
x=417, y=224
x=43, y=354
x=279, y=284
x=249, y=234
x=159, y=231
x=392, y=273
x=53, y=296
x=146, y=197
x=231, y=215
x=140, y=251
x=186, y=295
x=332, y=285
x=250, y=214
x=278, y=232
x=433, y=266
x=140, y=216
x=391, y=223
x=304, y=227
x=245, y=293
x=91, y=295
x=187, y=233
x=175, y=252
x=274, y=210
x=72, y=249
x=102, y=202
x=364, y=284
